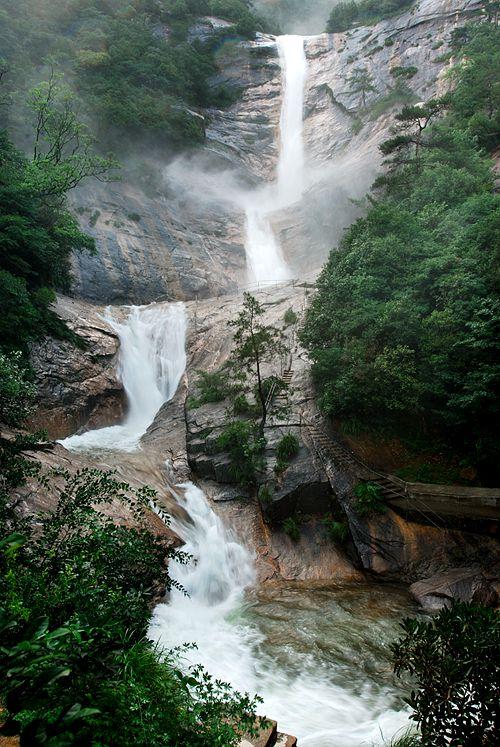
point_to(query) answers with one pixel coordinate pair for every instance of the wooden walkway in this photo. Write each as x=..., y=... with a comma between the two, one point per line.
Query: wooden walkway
x=441, y=505
x=438, y=504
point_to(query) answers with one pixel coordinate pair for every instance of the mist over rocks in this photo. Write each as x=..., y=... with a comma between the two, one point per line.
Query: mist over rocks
x=185, y=237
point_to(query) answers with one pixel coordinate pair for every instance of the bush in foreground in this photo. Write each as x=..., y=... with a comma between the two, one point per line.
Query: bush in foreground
x=455, y=661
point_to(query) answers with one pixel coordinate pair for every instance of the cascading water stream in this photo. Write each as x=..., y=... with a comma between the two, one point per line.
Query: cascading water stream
x=313, y=656
x=152, y=362
x=291, y=162
x=264, y=255
x=321, y=696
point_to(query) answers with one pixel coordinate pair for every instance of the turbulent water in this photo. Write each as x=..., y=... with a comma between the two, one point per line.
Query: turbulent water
x=317, y=656
x=264, y=255
x=152, y=361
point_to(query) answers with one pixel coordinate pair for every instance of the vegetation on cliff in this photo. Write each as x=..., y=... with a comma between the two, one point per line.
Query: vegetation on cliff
x=403, y=331
x=349, y=13
x=136, y=70
x=455, y=662
x=76, y=589
x=37, y=231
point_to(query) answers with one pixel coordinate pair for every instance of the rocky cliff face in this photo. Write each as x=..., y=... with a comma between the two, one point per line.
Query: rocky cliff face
x=343, y=133
x=77, y=386
x=174, y=228
x=186, y=240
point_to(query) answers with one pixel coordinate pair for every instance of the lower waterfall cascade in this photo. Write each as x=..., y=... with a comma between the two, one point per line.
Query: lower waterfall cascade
x=318, y=701
x=318, y=676
x=152, y=362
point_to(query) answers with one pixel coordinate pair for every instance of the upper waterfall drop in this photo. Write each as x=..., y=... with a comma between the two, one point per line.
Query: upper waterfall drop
x=292, y=159
x=264, y=254
x=152, y=362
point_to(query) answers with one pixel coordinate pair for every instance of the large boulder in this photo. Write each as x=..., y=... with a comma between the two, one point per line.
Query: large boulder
x=467, y=584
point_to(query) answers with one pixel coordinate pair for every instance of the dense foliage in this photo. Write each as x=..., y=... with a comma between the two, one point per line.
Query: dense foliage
x=135, y=68
x=455, y=661
x=403, y=331
x=76, y=590
x=349, y=13
x=244, y=444
x=37, y=232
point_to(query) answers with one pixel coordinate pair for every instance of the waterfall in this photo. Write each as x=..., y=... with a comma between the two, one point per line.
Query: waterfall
x=152, y=362
x=319, y=690
x=315, y=697
x=264, y=254
x=291, y=162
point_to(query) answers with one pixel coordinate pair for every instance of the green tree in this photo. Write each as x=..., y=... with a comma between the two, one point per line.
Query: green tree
x=255, y=344
x=63, y=149
x=361, y=82
x=409, y=133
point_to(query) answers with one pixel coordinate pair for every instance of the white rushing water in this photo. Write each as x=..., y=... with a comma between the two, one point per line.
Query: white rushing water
x=264, y=255
x=292, y=158
x=152, y=362
x=317, y=702
x=318, y=688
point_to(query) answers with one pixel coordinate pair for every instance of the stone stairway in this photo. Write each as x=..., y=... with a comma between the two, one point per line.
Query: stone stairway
x=330, y=450
x=438, y=505
x=280, y=395
x=286, y=378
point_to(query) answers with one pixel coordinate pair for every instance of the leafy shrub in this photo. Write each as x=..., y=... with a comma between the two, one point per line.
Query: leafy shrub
x=288, y=447
x=94, y=218
x=214, y=386
x=369, y=499
x=455, y=661
x=244, y=443
x=265, y=495
x=75, y=599
x=290, y=317
x=338, y=531
x=291, y=528
x=16, y=393
x=134, y=217
x=241, y=406
x=280, y=466
x=404, y=72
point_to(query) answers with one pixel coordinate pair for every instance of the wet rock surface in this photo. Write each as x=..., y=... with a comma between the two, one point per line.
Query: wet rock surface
x=77, y=386
x=469, y=584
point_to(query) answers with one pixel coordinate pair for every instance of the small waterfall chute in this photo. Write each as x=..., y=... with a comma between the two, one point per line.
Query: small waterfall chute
x=152, y=362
